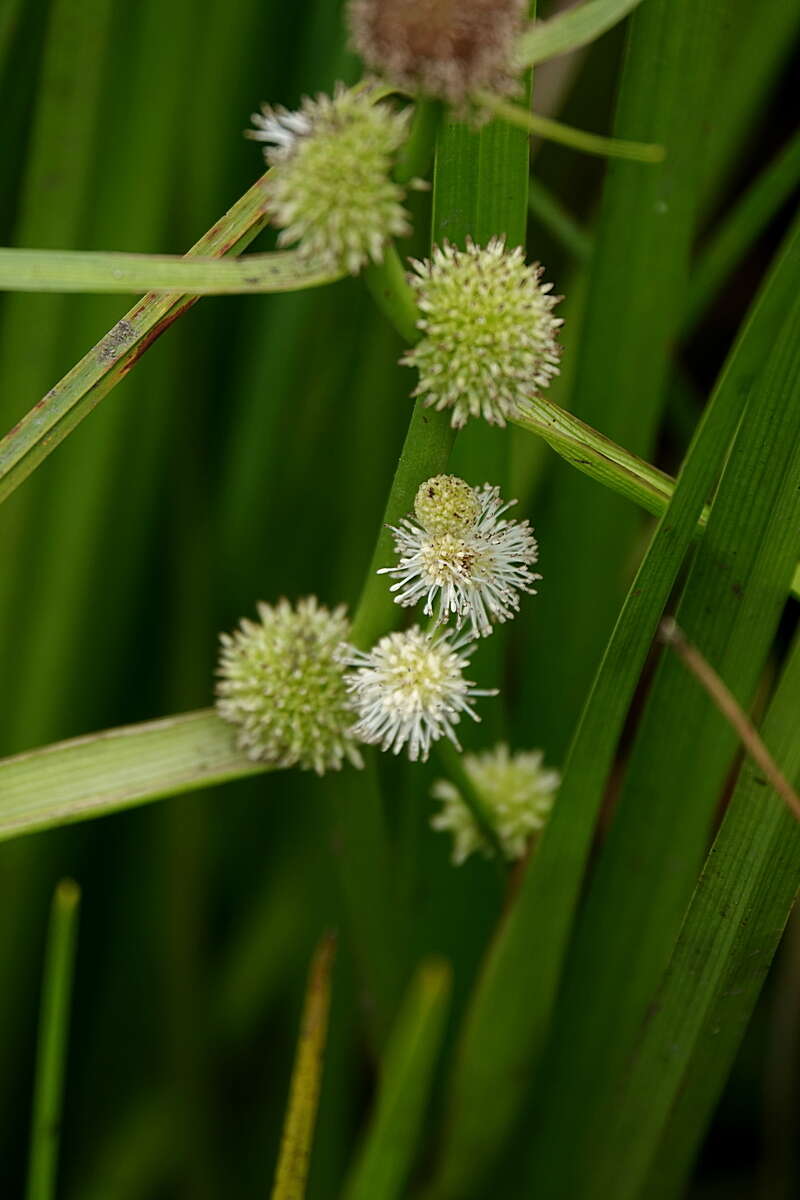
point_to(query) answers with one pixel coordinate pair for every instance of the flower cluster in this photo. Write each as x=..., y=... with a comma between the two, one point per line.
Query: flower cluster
x=296, y=690
x=518, y=792
x=330, y=189
x=473, y=563
x=281, y=685
x=489, y=335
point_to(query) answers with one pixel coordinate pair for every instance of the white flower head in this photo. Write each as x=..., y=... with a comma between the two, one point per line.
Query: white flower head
x=489, y=335
x=518, y=792
x=463, y=557
x=330, y=189
x=410, y=690
x=282, y=685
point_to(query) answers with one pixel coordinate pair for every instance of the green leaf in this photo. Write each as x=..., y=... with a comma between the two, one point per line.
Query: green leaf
x=699, y=1014
x=98, y=271
x=730, y=608
x=82, y=389
x=392, y=1140
x=740, y=228
x=508, y=1020
x=104, y=772
x=52, y=1043
x=569, y=30
x=301, y=1114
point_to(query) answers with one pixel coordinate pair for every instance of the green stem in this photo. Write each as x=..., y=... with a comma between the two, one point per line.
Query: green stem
x=387, y=285
x=566, y=135
x=51, y=1052
x=453, y=764
x=415, y=158
x=425, y=452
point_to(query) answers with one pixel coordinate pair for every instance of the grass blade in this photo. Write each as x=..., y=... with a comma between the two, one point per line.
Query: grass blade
x=100, y=272
x=52, y=1045
x=730, y=933
x=392, y=1141
x=741, y=227
x=730, y=608
x=298, y=1130
x=82, y=389
x=90, y=776
x=569, y=30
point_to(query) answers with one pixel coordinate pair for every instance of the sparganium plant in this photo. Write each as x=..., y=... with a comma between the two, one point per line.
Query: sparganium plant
x=330, y=190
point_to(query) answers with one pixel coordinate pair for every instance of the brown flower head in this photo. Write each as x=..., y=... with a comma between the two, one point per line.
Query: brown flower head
x=444, y=48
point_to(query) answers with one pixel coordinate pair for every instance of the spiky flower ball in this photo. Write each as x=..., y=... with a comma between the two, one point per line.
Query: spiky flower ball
x=444, y=48
x=518, y=792
x=462, y=554
x=330, y=190
x=410, y=690
x=489, y=335
x=282, y=685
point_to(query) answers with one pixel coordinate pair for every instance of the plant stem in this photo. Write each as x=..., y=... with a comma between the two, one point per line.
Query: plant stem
x=566, y=135
x=425, y=452
x=453, y=763
x=387, y=285
x=51, y=1052
x=415, y=158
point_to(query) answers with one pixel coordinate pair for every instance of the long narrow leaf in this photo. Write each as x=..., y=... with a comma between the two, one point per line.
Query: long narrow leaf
x=730, y=933
x=298, y=1130
x=97, y=271
x=392, y=1140
x=570, y=30
x=53, y=1035
x=730, y=609
x=104, y=772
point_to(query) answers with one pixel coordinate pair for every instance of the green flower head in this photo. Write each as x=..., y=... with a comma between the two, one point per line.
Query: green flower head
x=330, y=189
x=282, y=685
x=488, y=343
x=518, y=792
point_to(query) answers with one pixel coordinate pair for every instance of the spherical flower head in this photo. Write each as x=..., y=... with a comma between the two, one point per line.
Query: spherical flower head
x=330, y=189
x=444, y=48
x=518, y=792
x=410, y=690
x=489, y=335
x=446, y=504
x=475, y=573
x=282, y=685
